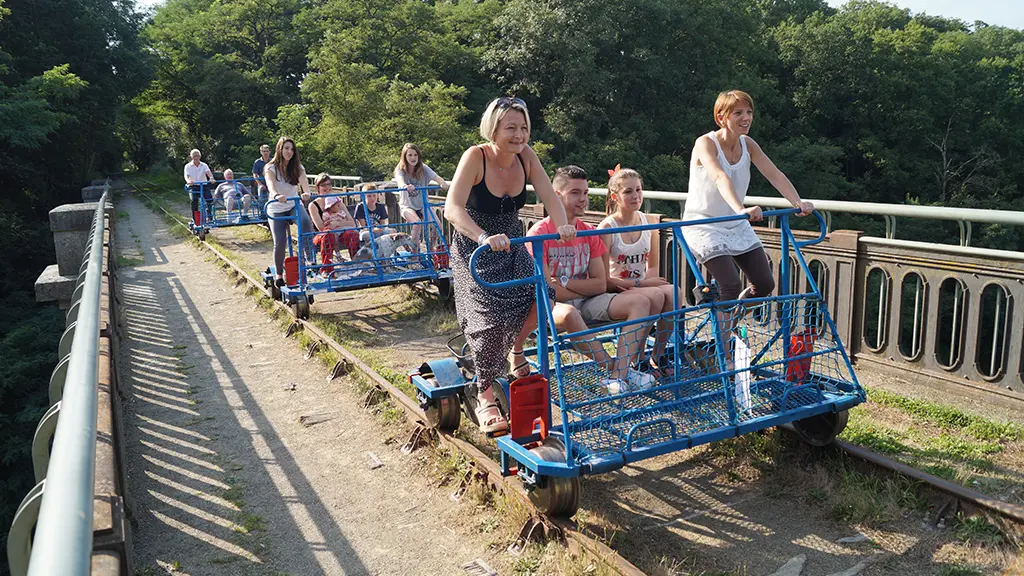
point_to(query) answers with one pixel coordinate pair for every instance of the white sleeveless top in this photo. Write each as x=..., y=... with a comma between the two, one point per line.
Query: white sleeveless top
x=708, y=241
x=629, y=261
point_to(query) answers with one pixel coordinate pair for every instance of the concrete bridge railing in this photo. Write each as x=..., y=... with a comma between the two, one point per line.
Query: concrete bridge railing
x=73, y=520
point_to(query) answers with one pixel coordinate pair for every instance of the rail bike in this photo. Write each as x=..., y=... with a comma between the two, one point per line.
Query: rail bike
x=736, y=367
x=214, y=212
x=378, y=254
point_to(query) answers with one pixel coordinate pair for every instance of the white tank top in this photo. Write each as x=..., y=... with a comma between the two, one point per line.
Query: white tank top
x=629, y=261
x=704, y=200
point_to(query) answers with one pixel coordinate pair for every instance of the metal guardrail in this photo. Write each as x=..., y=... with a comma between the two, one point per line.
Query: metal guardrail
x=965, y=217
x=61, y=511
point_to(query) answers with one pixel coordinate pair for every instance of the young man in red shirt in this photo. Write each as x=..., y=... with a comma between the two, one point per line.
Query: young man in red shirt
x=576, y=271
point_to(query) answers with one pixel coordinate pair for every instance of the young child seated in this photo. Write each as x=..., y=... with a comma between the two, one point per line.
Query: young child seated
x=338, y=225
x=372, y=215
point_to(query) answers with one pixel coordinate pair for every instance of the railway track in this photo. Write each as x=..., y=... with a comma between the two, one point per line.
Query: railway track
x=486, y=469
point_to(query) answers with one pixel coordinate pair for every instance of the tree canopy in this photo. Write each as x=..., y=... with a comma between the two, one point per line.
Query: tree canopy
x=866, y=102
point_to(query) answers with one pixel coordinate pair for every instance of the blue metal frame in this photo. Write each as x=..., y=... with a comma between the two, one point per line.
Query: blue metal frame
x=208, y=213
x=832, y=395
x=379, y=270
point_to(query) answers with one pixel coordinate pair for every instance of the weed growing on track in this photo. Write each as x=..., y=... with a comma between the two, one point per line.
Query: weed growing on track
x=977, y=530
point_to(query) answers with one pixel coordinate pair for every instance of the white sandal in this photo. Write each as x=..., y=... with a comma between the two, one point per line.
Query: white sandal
x=488, y=414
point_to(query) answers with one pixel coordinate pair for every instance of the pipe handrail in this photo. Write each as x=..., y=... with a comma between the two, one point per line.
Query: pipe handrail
x=1009, y=217
x=64, y=530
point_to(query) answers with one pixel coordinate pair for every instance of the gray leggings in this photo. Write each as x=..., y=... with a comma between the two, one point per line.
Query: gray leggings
x=279, y=230
x=754, y=264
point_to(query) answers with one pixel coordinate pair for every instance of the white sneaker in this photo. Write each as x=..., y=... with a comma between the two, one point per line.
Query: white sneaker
x=614, y=386
x=640, y=380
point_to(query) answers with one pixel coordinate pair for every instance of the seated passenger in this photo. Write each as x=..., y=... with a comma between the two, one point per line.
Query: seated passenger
x=633, y=265
x=576, y=271
x=320, y=207
x=232, y=194
x=372, y=216
x=411, y=173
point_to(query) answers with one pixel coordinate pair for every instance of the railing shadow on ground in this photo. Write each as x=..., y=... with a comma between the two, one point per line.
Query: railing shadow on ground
x=198, y=491
x=661, y=512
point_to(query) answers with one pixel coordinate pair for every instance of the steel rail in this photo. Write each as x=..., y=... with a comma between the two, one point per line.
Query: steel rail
x=1006, y=510
x=64, y=531
x=490, y=468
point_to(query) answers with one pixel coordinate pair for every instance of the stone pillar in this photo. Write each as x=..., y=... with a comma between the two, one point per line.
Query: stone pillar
x=847, y=308
x=94, y=192
x=70, y=224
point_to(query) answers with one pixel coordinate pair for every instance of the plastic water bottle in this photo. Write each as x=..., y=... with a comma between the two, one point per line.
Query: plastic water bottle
x=742, y=363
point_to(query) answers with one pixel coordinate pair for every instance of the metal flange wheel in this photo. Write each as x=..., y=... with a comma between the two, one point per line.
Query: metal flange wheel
x=822, y=429
x=444, y=289
x=300, y=307
x=559, y=496
x=275, y=290
x=202, y=234
x=444, y=413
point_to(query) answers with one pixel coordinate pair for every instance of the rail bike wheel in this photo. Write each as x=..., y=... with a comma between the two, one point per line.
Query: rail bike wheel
x=560, y=496
x=301, y=307
x=444, y=288
x=275, y=290
x=822, y=429
x=444, y=413
x=202, y=234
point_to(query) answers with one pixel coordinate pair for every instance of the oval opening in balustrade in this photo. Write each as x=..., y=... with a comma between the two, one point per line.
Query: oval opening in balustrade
x=913, y=291
x=814, y=314
x=950, y=326
x=994, y=316
x=876, y=309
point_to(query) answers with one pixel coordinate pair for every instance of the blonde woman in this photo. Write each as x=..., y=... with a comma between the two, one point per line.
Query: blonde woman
x=483, y=205
x=632, y=262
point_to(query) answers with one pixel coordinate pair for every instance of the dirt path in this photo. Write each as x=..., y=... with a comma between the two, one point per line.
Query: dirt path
x=223, y=476
x=758, y=505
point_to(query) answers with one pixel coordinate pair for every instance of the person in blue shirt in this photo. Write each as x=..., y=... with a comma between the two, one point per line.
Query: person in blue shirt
x=257, y=173
x=372, y=216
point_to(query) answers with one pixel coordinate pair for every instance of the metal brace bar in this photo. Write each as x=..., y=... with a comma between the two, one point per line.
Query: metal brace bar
x=419, y=437
x=341, y=367
x=536, y=529
x=41, y=441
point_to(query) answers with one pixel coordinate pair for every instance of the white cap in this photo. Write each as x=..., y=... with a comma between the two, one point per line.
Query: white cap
x=331, y=201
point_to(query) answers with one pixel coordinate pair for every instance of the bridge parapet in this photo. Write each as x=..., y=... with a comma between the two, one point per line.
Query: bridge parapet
x=73, y=521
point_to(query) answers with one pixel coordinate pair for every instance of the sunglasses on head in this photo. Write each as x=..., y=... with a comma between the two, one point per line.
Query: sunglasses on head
x=508, y=102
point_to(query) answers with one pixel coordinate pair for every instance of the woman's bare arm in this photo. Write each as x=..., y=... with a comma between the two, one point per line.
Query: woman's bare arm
x=778, y=180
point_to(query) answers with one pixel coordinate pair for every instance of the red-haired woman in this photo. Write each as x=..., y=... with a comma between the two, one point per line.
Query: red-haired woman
x=719, y=177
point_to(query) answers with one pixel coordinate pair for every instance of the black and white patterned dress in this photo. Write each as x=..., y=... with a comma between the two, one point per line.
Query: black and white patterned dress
x=492, y=318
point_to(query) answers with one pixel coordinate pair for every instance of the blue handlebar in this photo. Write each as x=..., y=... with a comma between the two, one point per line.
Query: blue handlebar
x=821, y=234
x=539, y=239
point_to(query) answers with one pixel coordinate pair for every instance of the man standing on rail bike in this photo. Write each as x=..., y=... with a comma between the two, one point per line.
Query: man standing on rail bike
x=576, y=271
x=257, y=173
x=199, y=179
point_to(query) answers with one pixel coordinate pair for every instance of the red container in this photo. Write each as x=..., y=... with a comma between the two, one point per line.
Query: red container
x=291, y=270
x=802, y=343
